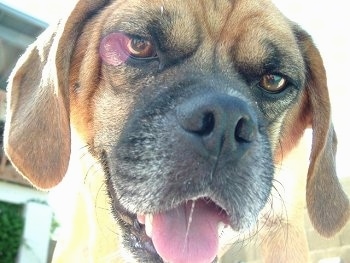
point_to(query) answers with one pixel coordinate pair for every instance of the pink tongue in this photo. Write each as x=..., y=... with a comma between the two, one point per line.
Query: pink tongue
x=178, y=241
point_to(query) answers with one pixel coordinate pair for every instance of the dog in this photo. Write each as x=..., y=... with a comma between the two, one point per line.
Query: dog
x=189, y=109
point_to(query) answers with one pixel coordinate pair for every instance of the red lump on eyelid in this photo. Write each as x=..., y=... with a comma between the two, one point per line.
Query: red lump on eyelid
x=112, y=49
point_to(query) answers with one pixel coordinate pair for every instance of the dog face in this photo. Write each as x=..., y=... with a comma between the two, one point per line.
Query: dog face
x=203, y=103
x=188, y=105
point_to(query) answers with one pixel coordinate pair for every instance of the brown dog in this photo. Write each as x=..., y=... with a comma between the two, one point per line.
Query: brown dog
x=190, y=107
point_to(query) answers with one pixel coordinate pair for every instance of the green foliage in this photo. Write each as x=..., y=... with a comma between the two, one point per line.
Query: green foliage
x=11, y=229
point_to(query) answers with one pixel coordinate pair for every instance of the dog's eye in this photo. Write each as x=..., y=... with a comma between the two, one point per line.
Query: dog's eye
x=273, y=83
x=140, y=48
x=117, y=48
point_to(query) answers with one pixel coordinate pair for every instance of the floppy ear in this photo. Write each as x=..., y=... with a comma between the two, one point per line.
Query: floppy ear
x=327, y=203
x=37, y=132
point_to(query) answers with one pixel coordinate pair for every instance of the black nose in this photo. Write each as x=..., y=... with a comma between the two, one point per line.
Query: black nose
x=218, y=123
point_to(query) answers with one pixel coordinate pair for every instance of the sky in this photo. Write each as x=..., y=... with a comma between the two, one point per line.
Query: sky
x=46, y=10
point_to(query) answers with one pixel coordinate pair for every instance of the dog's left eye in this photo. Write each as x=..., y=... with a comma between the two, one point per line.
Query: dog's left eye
x=117, y=48
x=273, y=83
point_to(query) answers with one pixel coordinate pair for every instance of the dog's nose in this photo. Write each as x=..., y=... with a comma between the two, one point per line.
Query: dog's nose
x=218, y=123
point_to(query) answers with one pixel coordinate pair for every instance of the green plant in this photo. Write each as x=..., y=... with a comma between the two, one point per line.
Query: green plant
x=11, y=229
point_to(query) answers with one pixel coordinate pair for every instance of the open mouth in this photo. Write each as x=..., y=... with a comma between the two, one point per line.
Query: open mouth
x=187, y=233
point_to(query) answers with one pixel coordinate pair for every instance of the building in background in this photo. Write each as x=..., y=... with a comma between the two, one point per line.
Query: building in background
x=25, y=217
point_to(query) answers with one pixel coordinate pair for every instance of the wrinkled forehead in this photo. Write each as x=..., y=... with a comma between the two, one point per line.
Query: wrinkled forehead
x=249, y=31
x=212, y=15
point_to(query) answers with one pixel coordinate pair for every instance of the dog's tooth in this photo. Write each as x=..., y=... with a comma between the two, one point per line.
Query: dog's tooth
x=148, y=224
x=141, y=219
x=149, y=218
x=221, y=227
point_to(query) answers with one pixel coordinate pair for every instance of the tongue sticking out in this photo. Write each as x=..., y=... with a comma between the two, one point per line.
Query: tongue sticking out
x=188, y=233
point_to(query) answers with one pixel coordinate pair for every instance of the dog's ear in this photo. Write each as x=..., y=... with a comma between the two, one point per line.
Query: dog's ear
x=37, y=133
x=327, y=203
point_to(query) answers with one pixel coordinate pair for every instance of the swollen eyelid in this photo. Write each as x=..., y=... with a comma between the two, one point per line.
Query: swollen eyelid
x=116, y=48
x=112, y=49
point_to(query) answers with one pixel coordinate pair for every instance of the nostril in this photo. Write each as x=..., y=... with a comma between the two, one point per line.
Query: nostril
x=200, y=122
x=245, y=130
x=208, y=124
